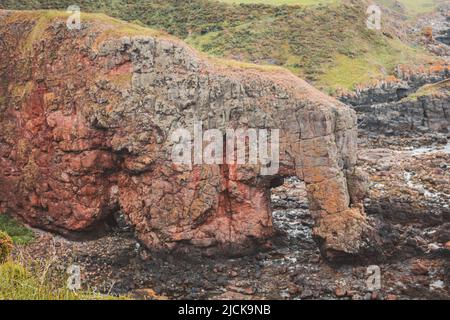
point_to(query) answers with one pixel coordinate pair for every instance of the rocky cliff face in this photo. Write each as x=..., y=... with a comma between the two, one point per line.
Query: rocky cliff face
x=86, y=118
x=405, y=82
x=427, y=110
x=417, y=101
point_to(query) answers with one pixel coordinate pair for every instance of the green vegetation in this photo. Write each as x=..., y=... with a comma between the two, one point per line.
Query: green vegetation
x=329, y=46
x=38, y=282
x=282, y=2
x=113, y=27
x=408, y=7
x=32, y=280
x=6, y=246
x=378, y=59
x=19, y=233
x=411, y=8
x=325, y=42
x=431, y=89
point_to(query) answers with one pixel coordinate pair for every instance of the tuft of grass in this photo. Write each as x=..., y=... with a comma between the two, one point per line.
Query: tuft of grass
x=6, y=245
x=20, y=234
x=431, y=89
x=20, y=282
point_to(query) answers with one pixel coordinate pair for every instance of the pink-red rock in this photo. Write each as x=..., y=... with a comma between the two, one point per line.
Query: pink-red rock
x=86, y=121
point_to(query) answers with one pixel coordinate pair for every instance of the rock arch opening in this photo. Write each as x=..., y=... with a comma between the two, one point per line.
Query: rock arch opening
x=291, y=217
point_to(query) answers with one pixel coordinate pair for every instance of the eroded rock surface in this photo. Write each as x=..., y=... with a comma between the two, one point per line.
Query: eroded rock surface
x=414, y=102
x=86, y=118
x=422, y=112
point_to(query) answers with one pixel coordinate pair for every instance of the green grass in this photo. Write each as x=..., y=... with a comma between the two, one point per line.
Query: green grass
x=113, y=27
x=282, y=2
x=22, y=279
x=19, y=233
x=336, y=53
x=376, y=61
x=328, y=45
x=430, y=89
x=21, y=282
x=412, y=7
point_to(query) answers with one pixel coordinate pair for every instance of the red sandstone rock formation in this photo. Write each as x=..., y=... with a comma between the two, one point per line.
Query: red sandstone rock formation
x=86, y=117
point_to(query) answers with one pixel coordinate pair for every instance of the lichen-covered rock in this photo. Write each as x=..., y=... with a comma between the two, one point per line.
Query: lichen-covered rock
x=87, y=115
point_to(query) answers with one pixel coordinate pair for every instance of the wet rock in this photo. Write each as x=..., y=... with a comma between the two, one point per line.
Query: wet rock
x=434, y=247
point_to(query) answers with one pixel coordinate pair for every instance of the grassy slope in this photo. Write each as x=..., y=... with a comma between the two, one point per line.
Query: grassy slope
x=282, y=2
x=328, y=45
x=377, y=60
x=413, y=7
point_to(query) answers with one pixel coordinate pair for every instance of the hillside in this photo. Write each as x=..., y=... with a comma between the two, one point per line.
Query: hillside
x=327, y=44
x=409, y=8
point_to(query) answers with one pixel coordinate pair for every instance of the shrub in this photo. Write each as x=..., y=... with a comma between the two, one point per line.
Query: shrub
x=6, y=245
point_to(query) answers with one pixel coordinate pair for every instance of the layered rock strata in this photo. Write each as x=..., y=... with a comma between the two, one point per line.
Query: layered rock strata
x=428, y=110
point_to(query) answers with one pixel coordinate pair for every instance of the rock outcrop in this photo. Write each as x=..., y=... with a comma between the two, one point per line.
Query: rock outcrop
x=414, y=101
x=87, y=115
x=409, y=186
x=405, y=82
x=427, y=110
